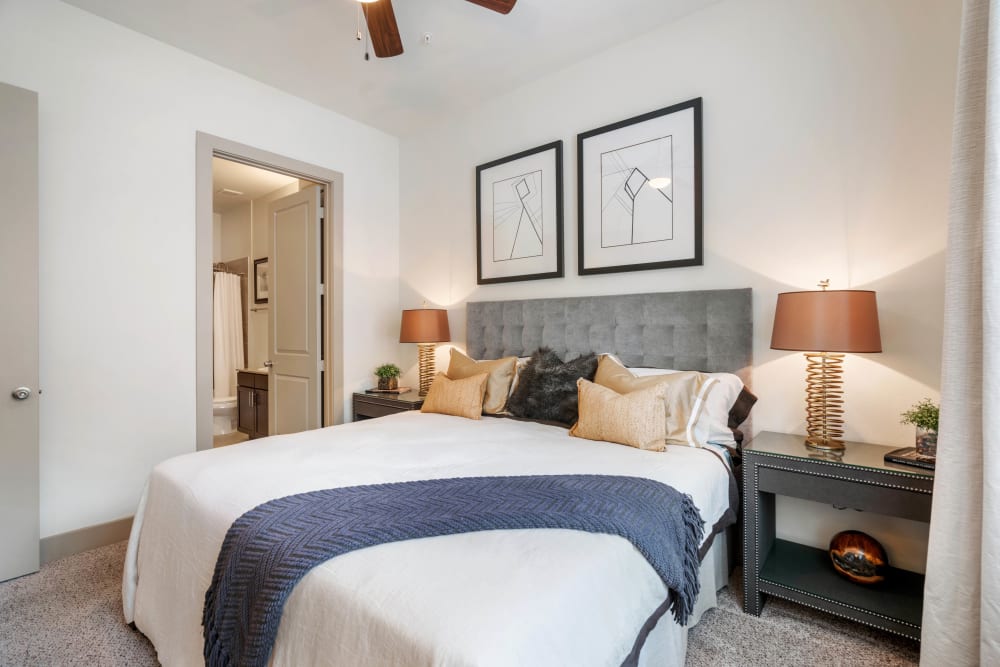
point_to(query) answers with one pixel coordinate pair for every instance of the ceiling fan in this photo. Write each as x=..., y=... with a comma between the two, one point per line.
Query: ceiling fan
x=384, y=32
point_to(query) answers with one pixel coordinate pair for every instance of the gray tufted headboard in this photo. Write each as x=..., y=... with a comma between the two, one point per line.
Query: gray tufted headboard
x=709, y=330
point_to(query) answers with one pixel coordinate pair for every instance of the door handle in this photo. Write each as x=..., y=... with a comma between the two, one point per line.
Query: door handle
x=268, y=363
x=21, y=393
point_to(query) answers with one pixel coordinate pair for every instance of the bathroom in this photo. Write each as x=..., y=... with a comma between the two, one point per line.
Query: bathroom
x=240, y=248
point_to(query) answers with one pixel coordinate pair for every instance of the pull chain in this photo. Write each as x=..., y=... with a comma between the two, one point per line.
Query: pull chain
x=359, y=32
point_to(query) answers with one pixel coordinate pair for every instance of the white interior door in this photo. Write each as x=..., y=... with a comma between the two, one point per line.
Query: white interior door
x=293, y=315
x=19, y=332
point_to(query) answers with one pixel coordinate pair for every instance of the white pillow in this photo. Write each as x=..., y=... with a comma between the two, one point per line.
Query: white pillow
x=715, y=417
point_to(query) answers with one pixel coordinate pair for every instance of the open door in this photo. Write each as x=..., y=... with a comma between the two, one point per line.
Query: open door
x=19, y=515
x=294, y=398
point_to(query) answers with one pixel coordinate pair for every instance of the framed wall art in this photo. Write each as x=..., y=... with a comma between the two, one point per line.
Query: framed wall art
x=519, y=216
x=261, y=284
x=639, y=189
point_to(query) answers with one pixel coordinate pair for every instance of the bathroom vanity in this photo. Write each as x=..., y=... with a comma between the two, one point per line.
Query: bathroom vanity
x=252, y=400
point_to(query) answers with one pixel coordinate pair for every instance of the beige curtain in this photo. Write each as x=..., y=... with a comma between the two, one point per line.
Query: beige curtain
x=961, y=623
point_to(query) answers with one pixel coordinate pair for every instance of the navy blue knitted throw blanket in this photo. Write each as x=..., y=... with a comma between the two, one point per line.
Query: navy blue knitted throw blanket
x=270, y=548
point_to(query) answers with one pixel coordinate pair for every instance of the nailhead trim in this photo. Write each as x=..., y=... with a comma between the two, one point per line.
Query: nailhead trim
x=756, y=547
x=846, y=478
x=842, y=604
x=746, y=535
x=851, y=618
x=895, y=473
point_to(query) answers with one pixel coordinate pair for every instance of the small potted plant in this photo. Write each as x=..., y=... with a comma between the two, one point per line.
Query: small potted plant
x=388, y=376
x=924, y=416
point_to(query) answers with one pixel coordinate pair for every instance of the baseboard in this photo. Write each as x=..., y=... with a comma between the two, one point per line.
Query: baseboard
x=59, y=546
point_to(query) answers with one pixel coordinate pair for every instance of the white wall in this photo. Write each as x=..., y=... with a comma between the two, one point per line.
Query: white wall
x=235, y=232
x=118, y=117
x=827, y=132
x=216, y=237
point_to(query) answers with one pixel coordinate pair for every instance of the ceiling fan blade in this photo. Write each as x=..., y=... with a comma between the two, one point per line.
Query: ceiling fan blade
x=382, y=27
x=502, y=6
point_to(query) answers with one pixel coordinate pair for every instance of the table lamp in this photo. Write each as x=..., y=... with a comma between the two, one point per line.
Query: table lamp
x=824, y=324
x=425, y=326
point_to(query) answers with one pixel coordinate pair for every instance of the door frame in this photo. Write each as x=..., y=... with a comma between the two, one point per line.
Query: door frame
x=207, y=147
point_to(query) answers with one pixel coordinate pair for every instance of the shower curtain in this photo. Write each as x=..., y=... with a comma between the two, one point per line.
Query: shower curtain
x=227, y=330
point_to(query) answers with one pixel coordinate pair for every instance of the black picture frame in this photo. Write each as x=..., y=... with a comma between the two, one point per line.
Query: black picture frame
x=606, y=243
x=527, y=176
x=261, y=280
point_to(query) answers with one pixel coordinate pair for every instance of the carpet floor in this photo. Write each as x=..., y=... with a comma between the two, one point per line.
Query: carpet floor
x=70, y=614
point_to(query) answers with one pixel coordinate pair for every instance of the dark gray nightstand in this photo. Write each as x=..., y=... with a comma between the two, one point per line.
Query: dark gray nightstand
x=779, y=464
x=369, y=406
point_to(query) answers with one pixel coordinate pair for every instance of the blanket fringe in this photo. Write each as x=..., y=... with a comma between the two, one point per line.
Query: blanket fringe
x=683, y=603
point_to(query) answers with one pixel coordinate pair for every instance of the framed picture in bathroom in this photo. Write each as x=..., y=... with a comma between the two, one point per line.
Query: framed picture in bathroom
x=260, y=280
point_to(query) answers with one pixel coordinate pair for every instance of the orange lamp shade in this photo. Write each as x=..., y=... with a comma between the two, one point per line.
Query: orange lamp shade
x=424, y=325
x=827, y=321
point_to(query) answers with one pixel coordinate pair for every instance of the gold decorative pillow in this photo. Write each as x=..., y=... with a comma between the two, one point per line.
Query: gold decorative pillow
x=501, y=374
x=685, y=397
x=634, y=419
x=461, y=398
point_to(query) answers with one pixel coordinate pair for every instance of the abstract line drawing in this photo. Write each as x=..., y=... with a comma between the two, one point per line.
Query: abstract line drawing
x=517, y=217
x=632, y=211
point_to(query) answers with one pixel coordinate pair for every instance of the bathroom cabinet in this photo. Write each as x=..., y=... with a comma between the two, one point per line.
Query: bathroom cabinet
x=252, y=393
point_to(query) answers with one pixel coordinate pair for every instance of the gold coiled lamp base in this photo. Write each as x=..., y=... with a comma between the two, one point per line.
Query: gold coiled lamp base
x=825, y=400
x=425, y=358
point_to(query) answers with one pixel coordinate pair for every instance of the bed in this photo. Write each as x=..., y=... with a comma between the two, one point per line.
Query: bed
x=487, y=598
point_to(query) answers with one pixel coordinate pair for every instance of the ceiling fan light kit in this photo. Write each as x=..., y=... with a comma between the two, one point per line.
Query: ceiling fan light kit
x=384, y=31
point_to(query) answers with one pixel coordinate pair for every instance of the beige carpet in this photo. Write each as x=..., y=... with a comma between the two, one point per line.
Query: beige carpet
x=790, y=634
x=70, y=614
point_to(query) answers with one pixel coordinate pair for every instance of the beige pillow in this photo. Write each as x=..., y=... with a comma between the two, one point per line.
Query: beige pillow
x=501, y=374
x=685, y=397
x=634, y=419
x=461, y=398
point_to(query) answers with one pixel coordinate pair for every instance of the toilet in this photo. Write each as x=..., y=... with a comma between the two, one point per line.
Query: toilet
x=224, y=415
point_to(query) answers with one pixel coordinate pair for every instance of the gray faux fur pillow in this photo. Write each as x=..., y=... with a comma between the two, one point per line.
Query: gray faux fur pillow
x=546, y=387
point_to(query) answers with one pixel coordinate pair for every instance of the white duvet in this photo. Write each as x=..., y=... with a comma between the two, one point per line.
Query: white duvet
x=518, y=597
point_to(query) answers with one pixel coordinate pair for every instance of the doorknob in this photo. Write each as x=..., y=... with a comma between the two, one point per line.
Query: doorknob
x=268, y=363
x=21, y=393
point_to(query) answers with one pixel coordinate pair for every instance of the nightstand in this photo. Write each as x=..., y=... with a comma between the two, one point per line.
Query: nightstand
x=369, y=406
x=779, y=464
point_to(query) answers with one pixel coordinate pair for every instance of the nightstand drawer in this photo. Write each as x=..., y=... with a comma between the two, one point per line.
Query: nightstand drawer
x=839, y=491
x=372, y=410
x=370, y=406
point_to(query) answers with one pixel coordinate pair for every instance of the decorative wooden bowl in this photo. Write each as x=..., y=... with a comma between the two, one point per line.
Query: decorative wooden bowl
x=858, y=557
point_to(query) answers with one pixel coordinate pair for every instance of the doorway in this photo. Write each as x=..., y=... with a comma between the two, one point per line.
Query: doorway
x=286, y=380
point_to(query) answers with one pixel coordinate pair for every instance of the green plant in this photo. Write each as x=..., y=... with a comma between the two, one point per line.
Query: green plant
x=386, y=371
x=922, y=415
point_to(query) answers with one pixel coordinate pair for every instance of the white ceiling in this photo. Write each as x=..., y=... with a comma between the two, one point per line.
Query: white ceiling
x=252, y=182
x=308, y=48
